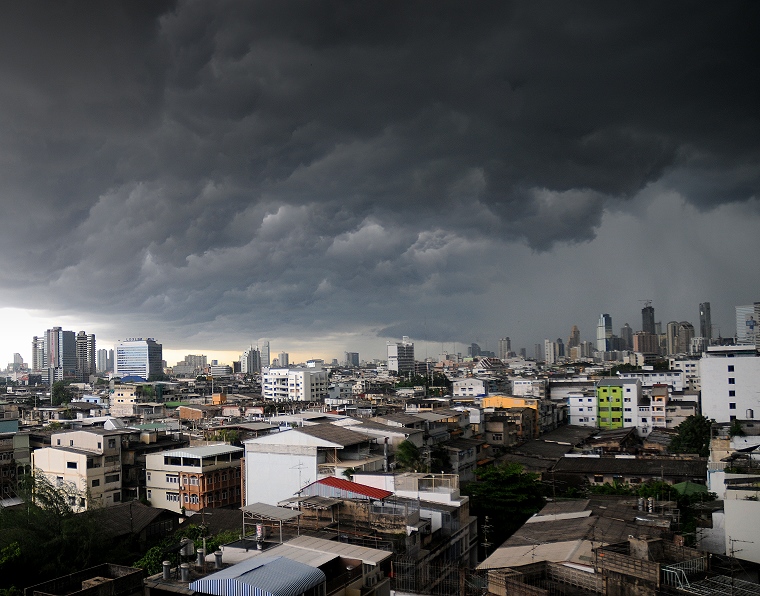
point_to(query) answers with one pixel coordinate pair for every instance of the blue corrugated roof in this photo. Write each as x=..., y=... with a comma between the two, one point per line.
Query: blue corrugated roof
x=261, y=576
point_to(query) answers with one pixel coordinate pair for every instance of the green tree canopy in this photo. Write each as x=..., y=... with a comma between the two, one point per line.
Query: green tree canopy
x=693, y=436
x=60, y=393
x=507, y=495
x=408, y=456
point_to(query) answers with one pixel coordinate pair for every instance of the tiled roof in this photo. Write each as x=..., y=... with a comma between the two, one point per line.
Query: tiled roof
x=640, y=466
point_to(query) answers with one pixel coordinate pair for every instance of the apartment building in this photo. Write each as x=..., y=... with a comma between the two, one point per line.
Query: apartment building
x=295, y=384
x=194, y=477
x=87, y=462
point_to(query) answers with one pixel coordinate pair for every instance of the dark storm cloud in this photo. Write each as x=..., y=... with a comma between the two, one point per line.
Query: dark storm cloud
x=318, y=164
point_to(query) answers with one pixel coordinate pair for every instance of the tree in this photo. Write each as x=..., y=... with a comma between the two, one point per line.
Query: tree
x=693, y=436
x=60, y=393
x=408, y=456
x=507, y=495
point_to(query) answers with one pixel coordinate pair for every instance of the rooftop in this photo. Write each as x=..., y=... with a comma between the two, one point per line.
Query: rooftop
x=205, y=451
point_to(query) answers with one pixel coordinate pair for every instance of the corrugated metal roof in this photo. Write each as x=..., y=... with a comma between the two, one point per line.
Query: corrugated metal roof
x=575, y=551
x=206, y=451
x=270, y=512
x=334, y=434
x=344, y=489
x=261, y=576
x=371, y=556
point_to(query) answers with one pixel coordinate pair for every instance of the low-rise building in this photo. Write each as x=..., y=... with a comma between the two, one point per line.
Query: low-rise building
x=86, y=461
x=194, y=478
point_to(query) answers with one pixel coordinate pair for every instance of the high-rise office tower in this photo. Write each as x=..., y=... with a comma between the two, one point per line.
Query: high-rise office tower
x=38, y=353
x=647, y=319
x=705, y=323
x=671, y=337
x=284, y=359
x=139, y=357
x=352, y=359
x=575, y=338
x=102, y=363
x=550, y=352
x=685, y=335
x=604, y=333
x=250, y=361
x=560, y=348
x=60, y=354
x=505, y=348
x=401, y=356
x=85, y=347
x=626, y=336
x=266, y=359
x=747, y=321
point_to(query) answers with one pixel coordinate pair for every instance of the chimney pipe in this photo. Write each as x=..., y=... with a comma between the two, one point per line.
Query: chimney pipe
x=184, y=571
x=167, y=570
x=218, y=559
x=201, y=557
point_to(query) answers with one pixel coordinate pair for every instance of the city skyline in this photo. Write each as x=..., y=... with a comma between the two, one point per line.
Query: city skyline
x=333, y=177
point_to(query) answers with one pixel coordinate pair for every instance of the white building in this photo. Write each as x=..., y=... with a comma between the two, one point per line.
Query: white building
x=470, y=387
x=279, y=465
x=294, y=384
x=401, y=356
x=87, y=461
x=581, y=409
x=138, y=358
x=649, y=378
x=730, y=383
x=690, y=370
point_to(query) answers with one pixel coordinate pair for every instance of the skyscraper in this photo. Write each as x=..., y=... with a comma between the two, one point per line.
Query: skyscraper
x=550, y=352
x=647, y=319
x=401, y=356
x=671, y=337
x=85, y=347
x=575, y=338
x=102, y=363
x=705, y=324
x=604, y=333
x=38, y=353
x=626, y=336
x=60, y=354
x=266, y=360
x=505, y=348
x=352, y=359
x=685, y=335
x=284, y=359
x=139, y=357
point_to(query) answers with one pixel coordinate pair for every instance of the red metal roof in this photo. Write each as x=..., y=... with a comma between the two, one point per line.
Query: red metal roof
x=345, y=489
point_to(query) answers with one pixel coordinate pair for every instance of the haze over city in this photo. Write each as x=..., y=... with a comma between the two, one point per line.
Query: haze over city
x=330, y=176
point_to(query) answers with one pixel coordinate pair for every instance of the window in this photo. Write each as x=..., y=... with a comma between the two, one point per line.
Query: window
x=147, y=475
x=112, y=443
x=172, y=479
x=117, y=497
x=71, y=443
x=598, y=477
x=58, y=441
x=750, y=414
x=187, y=498
x=730, y=368
x=731, y=381
x=497, y=436
x=173, y=497
x=100, y=445
x=112, y=478
x=150, y=493
x=628, y=420
x=732, y=406
x=731, y=393
x=72, y=465
x=96, y=482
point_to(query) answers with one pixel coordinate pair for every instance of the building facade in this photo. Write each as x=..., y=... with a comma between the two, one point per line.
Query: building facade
x=401, y=357
x=730, y=378
x=294, y=384
x=138, y=358
x=194, y=478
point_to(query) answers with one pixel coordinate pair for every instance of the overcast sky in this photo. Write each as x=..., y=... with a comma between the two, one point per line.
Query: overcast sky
x=330, y=175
